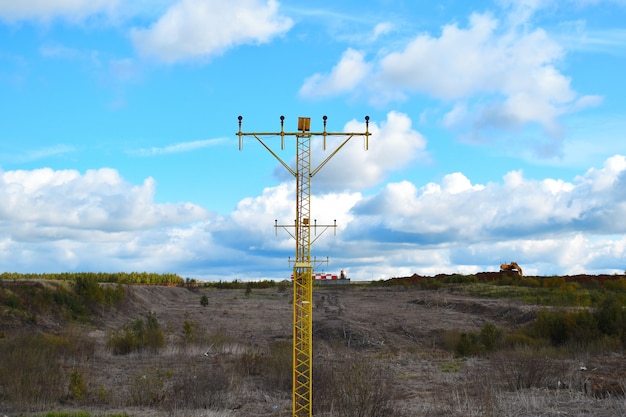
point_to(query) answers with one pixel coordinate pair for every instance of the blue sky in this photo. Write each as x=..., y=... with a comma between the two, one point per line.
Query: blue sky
x=498, y=135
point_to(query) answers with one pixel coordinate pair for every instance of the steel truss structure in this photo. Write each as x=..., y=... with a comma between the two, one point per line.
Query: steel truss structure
x=303, y=264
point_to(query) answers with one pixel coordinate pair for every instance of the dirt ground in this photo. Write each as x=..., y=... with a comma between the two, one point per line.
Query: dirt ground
x=403, y=327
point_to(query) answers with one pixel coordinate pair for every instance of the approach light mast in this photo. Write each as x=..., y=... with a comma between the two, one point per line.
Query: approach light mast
x=303, y=264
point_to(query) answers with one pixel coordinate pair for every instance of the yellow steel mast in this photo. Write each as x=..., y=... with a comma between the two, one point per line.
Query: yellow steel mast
x=303, y=264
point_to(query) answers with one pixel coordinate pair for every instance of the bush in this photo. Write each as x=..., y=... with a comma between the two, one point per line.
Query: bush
x=78, y=387
x=189, y=332
x=490, y=337
x=460, y=279
x=89, y=289
x=518, y=340
x=204, y=301
x=353, y=388
x=611, y=318
x=562, y=327
x=138, y=335
x=94, y=295
x=470, y=343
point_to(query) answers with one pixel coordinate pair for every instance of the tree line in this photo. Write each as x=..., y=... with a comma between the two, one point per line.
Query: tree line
x=143, y=278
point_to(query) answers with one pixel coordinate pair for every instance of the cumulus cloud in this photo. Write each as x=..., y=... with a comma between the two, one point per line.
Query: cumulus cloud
x=497, y=75
x=53, y=221
x=193, y=29
x=254, y=219
x=551, y=224
x=457, y=210
x=65, y=220
x=393, y=145
x=71, y=203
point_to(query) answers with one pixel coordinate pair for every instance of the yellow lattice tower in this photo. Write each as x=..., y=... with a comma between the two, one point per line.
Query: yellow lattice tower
x=303, y=264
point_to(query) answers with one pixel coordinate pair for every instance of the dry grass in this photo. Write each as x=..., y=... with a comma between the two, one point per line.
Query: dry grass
x=233, y=358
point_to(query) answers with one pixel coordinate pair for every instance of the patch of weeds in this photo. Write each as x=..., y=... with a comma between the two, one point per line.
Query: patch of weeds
x=77, y=388
x=525, y=368
x=148, y=389
x=67, y=414
x=203, y=386
x=451, y=367
x=31, y=377
x=79, y=414
x=352, y=387
x=189, y=332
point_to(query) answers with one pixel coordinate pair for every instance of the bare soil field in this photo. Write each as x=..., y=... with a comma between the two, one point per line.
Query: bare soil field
x=402, y=330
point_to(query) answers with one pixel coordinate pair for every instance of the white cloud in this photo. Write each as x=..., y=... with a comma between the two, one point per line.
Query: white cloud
x=192, y=29
x=344, y=76
x=254, y=219
x=64, y=220
x=393, y=145
x=65, y=204
x=53, y=221
x=502, y=76
x=550, y=225
x=482, y=60
x=457, y=64
x=382, y=29
x=605, y=179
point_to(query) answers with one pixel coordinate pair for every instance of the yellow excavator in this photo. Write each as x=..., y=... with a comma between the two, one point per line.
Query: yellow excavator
x=513, y=266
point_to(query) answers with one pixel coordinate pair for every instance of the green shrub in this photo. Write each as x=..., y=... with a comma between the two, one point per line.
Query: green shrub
x=189, y=331
x=88, y=288
x=204, y=301
x=77, y=388
x=67, y=414
x=618, y=285
x=430, y=284
x=516, y=340
x=611, y=317
x=460, y=279
x=467, y=345
x=530, y=282
x=138, y=335
x=95, y=295
x=576, y=328
x=490, y=337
